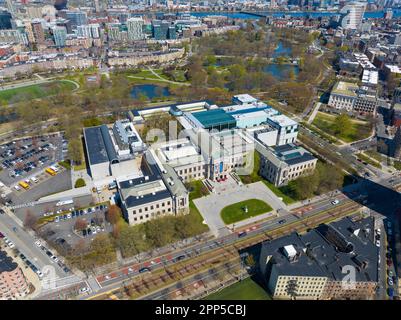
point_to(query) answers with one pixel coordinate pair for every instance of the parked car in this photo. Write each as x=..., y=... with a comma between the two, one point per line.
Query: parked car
x=145, y=269
x=334, y=202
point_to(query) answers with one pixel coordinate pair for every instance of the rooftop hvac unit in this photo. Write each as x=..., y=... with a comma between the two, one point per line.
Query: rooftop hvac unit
x=146, y=178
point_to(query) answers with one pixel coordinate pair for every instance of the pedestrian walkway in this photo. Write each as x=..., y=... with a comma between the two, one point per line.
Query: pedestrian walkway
x=211, y=205
x=314, y=113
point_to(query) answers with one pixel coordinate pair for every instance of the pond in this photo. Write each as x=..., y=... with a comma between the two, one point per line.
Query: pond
x=150, y=91
x=281, y=71
x=281, y=50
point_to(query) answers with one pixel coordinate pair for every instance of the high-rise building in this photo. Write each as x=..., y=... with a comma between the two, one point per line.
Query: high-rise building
x=60, y=4
x=5, y=20
x=10, y=6
x=96, y=5
x=84, y=31
x=160, y=29
x=172, y=34
x=95, y=30
x=38, y=31
x=352, y=15
x=135, y=26
x=77, y=18
x=59, y=35
x=388, y=15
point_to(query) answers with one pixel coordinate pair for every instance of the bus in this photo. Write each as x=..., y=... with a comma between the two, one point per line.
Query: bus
x=51, y=171
x=24, y=185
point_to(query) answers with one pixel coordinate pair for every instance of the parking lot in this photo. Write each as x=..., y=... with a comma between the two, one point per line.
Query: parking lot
x=46, y=185
x=26, y=157
x=61, y=230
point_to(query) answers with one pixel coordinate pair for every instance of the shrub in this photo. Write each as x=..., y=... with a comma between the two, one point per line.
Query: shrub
x=80, y=183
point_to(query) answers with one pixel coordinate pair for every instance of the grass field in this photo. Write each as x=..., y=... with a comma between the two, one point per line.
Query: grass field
x=285, y=198
x=369, y=160
x=358, y=131
x=34, y=91
x=235, y=212
x=244, y=290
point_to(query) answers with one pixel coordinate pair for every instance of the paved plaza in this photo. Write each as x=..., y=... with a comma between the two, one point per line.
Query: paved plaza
x=229, y=192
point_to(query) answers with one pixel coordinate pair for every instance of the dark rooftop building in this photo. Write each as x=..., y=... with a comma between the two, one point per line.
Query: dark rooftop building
x=314, y=265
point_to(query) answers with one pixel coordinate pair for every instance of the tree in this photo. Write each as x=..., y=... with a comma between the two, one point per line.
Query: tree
x=80, y=224
x=306, y=186
x=30, y=220
x=113, y=214
x=342, y=124
x=75, y=150
x=80, y=183
x=250, y=260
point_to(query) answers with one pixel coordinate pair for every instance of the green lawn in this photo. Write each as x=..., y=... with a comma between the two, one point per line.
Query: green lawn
x=286, y=199
x=358, y=131
x=197, y=189
x=369, y=160
x=374, y=154
x=194, y=212
x=34, y=91
x=235, y=212
x=244, y=290
x=397, y=165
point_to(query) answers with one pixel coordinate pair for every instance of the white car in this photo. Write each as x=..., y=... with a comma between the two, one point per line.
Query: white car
x=11, y=244
x=93, y=230
x=334, y=202
x=38, y=243
x=83, y=290
x=69, y=216
x=130, y=270
x=34, y=179
x=378, y=231
x=390, y=282
x=54, y=258
x=377, y=243
x=40, y=274
x=17, y=188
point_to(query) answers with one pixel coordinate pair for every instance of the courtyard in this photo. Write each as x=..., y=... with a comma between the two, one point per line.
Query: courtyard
x=228, y=193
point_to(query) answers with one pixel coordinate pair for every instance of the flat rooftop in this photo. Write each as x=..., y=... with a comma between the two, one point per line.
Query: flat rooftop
x=282, y=120
x=325, y=250
x=6, y=262
x=292, y=154
x=99, y=145
x=143, y=190
x=245, y=98
x=345, y=88
x=214, y=118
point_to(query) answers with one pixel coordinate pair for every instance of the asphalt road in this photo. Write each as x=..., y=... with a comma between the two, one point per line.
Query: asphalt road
x=25, y=243
x=114, y=279
x=366, y=188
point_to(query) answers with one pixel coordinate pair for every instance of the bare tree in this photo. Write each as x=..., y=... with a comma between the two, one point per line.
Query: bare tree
x=30, y=220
